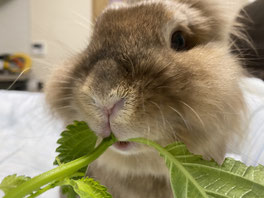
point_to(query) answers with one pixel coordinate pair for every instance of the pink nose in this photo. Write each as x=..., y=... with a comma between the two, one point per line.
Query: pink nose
x=111, y=112
x=114, y=108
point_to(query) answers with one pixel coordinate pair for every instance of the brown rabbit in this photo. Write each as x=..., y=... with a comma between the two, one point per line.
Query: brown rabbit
x=162, y=70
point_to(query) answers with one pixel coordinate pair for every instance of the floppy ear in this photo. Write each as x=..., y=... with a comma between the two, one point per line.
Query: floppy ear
x=223, y=14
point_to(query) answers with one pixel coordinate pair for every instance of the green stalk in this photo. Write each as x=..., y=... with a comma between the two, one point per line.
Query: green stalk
x=46, y=188
x=63, y=171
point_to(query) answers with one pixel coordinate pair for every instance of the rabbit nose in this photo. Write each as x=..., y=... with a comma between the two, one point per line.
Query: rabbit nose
x=113, y=108
x=110, y=112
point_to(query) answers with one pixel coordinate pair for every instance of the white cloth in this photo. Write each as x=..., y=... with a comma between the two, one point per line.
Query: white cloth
x=252, y=152
x=28, y=135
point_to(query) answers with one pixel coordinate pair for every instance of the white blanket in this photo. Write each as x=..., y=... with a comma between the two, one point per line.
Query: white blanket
x=252, y=152
x=28, y=133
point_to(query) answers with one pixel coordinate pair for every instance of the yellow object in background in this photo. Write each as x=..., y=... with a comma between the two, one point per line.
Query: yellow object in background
x=17, y=63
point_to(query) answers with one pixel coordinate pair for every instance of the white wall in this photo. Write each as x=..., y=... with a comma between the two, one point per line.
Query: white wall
x=64, y=26
x=14, y=26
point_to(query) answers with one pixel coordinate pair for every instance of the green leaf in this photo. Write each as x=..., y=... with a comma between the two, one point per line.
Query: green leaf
x=68, y=191
x=75, y=142
x=11, y=182
x=191, y=176
x=231, y=179
x=182, y=182
x=88, y=188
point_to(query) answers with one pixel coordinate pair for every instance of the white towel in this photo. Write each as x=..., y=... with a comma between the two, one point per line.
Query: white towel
x=28, y=136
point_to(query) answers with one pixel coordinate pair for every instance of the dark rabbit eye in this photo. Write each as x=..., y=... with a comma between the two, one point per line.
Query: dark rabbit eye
x=178, y=41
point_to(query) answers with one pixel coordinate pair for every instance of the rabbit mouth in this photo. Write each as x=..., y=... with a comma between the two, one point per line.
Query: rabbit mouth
x=123, y=145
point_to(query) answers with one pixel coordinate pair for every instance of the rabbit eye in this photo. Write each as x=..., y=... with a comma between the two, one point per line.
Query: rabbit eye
x=178, y=41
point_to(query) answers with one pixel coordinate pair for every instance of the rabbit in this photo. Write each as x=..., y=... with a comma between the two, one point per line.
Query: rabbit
x=162, y=70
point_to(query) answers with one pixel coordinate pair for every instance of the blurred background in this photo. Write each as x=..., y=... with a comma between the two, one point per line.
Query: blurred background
x=37, y=35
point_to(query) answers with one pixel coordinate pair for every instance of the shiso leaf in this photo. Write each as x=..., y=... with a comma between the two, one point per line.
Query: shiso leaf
x=183, y=183
x=68, y=191
x=77, y=141
x=231, y=179
x=11, y=182
x=88, y=188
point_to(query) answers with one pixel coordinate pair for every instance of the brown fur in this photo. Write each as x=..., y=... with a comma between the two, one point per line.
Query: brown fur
x=193, y=96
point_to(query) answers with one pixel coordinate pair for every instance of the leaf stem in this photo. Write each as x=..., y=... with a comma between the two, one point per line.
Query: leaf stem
x=46, y=188
x=60, y=172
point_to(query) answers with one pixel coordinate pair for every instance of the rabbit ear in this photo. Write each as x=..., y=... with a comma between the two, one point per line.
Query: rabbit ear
x=223, y=12
x=223, y=6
